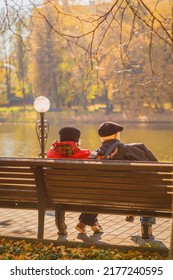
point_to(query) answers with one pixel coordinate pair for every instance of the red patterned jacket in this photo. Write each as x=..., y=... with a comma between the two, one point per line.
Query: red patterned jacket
x=67, y=150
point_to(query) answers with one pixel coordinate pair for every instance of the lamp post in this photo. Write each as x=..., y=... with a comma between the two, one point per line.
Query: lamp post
x=42, y=105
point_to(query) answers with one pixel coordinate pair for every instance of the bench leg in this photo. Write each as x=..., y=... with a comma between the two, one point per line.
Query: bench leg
x=41, y=217
x=60, y=220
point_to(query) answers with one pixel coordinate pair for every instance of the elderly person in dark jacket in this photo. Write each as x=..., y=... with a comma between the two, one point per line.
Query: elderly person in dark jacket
x=112, y=148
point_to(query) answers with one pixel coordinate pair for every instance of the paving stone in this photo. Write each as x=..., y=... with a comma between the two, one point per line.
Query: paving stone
x=23, y=223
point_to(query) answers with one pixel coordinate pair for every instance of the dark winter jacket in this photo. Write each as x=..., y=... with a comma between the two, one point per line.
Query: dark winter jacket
x=131, y=152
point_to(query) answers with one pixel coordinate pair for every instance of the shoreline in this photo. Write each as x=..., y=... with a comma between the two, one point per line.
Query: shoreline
x=87, y=117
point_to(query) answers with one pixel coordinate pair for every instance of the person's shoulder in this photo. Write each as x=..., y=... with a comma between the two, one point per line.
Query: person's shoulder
x=83, y=153
x=51, y=154
x=86, y=151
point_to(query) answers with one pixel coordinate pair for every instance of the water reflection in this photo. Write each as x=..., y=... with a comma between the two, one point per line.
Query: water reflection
x=20, y=140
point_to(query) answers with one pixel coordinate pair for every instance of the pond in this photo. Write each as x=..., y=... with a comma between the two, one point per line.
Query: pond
x=20, y=140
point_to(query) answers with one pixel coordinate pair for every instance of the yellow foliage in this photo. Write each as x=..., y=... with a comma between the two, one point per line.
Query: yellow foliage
x=21, y=250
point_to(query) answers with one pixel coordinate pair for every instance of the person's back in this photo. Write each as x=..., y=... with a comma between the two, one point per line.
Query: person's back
x=69, y=148
x=109, y=133
x=113, y=149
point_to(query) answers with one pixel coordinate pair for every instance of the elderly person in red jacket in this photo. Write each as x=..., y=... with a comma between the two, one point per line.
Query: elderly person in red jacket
x=69, y=147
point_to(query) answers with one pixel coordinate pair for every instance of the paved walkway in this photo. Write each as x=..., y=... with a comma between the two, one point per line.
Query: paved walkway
x=23, y=223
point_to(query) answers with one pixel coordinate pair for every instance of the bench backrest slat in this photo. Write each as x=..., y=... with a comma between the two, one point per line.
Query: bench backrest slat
x=17, y=185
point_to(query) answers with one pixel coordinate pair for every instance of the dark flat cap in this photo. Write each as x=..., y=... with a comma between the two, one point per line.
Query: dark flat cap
x=109, y=128
x=69, y=134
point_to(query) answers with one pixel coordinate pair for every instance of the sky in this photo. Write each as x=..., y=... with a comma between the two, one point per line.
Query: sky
x=17, y=2
x=26, y=2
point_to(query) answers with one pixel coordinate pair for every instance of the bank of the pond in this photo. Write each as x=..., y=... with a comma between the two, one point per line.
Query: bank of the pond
x=71, y=116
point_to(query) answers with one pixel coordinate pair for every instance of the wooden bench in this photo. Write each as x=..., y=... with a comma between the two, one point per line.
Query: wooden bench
x=90, y=186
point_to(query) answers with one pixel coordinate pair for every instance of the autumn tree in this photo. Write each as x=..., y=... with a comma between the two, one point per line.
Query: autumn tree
x=42, y=55
x=21, y=62
x=124, y=37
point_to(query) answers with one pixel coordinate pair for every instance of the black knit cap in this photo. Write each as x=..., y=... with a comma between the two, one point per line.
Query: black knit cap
x=109, y=128
x=69, y=134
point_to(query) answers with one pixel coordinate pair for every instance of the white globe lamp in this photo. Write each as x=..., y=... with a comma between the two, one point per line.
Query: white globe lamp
x=42, y=105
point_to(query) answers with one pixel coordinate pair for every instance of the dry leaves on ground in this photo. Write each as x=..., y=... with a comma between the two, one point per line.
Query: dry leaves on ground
x=23, y=250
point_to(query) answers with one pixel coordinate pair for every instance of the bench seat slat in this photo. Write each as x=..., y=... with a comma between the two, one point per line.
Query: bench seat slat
x=119, y=205
x=114, y=198
x=107, y=210
x=114, y=191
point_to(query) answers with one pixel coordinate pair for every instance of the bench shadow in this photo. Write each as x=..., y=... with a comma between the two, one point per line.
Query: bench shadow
x=21, y=231
x=95, y=238
x=151, y=242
